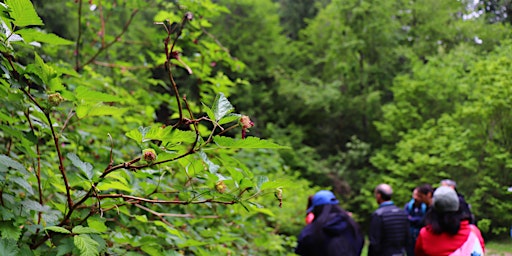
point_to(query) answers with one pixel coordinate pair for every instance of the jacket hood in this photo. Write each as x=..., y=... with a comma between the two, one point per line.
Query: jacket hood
x=335, y=226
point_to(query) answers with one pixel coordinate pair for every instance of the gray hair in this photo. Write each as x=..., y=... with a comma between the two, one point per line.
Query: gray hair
x=449, y=182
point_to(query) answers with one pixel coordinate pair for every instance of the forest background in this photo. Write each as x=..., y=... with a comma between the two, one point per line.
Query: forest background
x=120, y=136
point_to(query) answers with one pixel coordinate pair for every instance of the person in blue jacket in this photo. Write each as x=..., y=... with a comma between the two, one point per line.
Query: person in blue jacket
x=332, y=232
x=416, y=211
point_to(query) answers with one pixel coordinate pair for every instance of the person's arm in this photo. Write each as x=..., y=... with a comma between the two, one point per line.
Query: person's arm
x=375, y=235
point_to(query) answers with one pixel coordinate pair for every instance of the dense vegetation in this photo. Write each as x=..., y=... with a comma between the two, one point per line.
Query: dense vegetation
x=120, y=136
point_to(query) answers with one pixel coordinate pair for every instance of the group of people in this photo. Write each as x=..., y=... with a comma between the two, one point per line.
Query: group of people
x=436, y=222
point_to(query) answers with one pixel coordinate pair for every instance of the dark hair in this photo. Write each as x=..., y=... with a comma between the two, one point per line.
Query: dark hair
x=385, y=196
x=425, y=189
x=323, y=214
x=444, y=222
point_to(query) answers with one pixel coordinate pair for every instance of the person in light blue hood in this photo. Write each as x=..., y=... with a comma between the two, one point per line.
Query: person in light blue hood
x=332, y=232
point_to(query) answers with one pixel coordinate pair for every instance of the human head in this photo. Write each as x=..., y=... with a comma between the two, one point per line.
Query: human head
x=383, y=193
x=449, y=183
x=445, y=199
x=416, y=196
x=322, y=197
x=425, y=193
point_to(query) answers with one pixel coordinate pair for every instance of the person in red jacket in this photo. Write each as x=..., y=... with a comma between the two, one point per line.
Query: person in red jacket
x=447, y=233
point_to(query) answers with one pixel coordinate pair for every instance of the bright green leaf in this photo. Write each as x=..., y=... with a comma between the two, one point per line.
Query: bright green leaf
x=84, y=166
x=86, y=245
x=221, y=107
x=97, y=223
x=108, y=185
x=84, y=230
x=249, y=142
x=9, y=230
x=99, y=109
x=86, y=94
x=58, y=229
x=8, y=247
x=30, y=35
x=23, y=13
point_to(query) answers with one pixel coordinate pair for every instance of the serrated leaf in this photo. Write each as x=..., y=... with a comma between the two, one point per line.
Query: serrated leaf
x=58, y=229
x=229, y=118
x=171, y=231
x=24, y=184
x=9, y=230
x=249, y=142
x=97, y=223
x=8, y=247
x=260, y=180
x=156, y=132
x=141, y=218
x=34, y=206
x=23, y=13
x=107, y=185
x=152, y=249
x=84, y=166
x=212, y=167
x=8, y=162
x=86, y=245
x=98, y=109
x=221, y=107
x=87, y=95
x=30, y=35
x=209, y=112
x=84, y=230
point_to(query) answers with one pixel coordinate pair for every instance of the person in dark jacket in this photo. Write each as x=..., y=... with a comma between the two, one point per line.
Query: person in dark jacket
x=389, y=228
x=332, y=232
x=464, y=206
x=416, y=211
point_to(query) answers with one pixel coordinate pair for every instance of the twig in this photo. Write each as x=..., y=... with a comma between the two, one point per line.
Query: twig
x=157, y=201
x=79, y=37
x=103, y=48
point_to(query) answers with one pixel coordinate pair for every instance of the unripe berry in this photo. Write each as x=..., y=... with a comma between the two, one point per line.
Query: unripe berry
x=220, y=186
x=149, y=155
x=55, y=99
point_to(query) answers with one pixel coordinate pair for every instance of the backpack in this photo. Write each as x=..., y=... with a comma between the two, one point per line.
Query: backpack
x=471, y=247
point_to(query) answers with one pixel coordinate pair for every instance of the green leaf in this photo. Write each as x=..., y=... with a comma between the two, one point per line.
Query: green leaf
x=24, y=14
x=211, y=165
x=209, y=112
x=260, y=180
x=141, y=218
x=30, y=35
x=87, y=95
x=229, y=118
x=156, y=132
x=97, y=223
x=84, y=230
x=8, y=247
x=249, y=142
x=86, y=245
x=84, y=166
x=8, y=162
x=171, y=231
x=108, y=185
x=152, y=249
x=9, y=230
x=98, y=109
x=24, y=184
x=58, y=229
x=221, y=107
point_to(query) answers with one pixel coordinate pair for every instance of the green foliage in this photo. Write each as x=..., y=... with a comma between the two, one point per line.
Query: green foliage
x=72, y=175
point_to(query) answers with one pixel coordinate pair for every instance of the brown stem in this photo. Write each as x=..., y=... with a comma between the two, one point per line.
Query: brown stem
x=79, y=37
x=157, y=201
x=103, y=48
x=57, y=147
